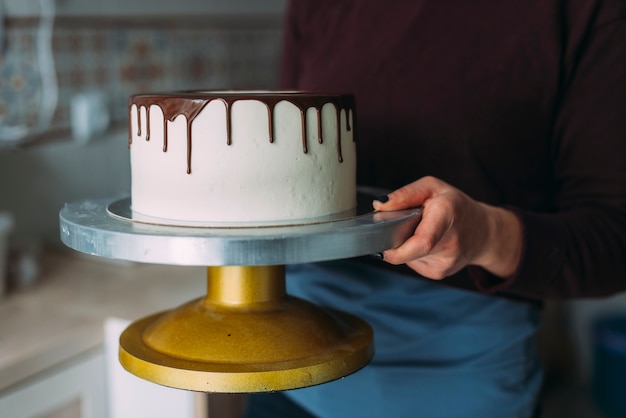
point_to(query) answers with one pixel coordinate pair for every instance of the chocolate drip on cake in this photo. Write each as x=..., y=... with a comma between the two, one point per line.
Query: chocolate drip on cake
x=190, y=104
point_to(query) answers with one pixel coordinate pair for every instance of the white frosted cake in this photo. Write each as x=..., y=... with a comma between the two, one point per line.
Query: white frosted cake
x=242, y=157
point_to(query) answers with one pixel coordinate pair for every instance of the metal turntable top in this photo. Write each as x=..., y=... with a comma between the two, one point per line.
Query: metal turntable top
x=106, y=228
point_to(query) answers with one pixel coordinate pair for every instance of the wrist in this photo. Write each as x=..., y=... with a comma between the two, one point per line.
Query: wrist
x=503, y=250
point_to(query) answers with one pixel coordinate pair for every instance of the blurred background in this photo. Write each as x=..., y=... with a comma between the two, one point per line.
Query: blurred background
x=67, y=68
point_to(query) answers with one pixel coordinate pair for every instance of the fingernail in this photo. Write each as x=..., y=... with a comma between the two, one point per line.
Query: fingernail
x=382, y=198
x=378, y=256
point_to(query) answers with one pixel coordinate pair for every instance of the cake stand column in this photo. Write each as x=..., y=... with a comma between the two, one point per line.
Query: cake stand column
x=246, y=287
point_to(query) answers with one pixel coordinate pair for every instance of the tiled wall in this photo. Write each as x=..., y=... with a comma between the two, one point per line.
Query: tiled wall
x=122, y=56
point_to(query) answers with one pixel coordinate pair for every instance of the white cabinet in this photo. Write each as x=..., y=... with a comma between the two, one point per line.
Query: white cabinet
x=77, y=387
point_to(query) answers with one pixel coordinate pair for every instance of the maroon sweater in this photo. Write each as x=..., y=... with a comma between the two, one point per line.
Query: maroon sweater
x=517, y=103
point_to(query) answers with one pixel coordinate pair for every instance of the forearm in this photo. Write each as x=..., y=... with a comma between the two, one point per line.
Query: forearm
x=568, y=255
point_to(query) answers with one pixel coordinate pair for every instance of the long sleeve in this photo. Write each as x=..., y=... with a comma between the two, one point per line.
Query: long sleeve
x=525, y=109
x=580, y=249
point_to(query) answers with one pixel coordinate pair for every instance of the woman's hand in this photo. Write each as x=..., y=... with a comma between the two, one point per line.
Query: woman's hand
x=455, y=231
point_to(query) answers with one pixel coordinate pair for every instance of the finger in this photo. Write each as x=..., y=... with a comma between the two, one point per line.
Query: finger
x=412, y=249
x=428, y=269
x=428, y=234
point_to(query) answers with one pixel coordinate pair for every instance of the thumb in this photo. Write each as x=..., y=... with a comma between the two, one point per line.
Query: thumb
x=410, y=196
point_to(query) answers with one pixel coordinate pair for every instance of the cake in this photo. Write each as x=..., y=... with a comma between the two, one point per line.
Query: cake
x=241, y=158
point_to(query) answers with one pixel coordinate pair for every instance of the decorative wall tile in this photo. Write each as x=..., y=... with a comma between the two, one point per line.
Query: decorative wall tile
x=20, y=83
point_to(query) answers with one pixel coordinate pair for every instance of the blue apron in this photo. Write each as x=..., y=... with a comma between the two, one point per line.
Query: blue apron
x=440, y=352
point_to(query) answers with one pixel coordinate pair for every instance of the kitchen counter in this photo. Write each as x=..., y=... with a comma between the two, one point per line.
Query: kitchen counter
x=61, y=316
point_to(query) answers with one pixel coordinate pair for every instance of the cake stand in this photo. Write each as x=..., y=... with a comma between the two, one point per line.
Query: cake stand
x=246, y=334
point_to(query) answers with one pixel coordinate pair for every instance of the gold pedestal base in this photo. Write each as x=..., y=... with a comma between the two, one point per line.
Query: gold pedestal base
x=246, y=335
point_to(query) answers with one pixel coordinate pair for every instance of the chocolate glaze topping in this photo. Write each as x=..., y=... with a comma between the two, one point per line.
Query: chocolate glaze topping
x=191, y=103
